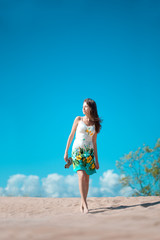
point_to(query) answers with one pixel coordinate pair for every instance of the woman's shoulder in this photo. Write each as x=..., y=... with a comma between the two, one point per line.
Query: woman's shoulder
x=78, y=118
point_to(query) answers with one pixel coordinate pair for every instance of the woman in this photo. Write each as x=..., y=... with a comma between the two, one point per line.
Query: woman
x=84, y=148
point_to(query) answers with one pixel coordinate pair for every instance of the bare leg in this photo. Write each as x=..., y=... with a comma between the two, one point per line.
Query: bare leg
x=86, y=190
x=86, y=186
x=82, y=188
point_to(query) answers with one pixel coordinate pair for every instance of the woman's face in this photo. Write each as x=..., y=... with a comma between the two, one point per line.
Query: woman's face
x=86, y=109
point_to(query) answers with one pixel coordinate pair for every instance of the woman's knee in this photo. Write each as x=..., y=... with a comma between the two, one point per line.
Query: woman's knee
x=81, y=174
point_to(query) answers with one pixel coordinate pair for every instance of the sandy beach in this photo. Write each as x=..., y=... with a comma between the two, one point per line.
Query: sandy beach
x=60, y=218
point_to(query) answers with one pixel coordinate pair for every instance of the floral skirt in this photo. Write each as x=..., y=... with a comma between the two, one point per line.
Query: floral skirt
x=83, y=159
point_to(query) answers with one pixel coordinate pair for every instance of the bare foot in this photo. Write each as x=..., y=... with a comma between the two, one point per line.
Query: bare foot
x=85, y=206
x=86, y=209
x=81, y=207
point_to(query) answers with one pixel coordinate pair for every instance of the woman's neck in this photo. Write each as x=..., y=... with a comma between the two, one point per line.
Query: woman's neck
x=87, y=118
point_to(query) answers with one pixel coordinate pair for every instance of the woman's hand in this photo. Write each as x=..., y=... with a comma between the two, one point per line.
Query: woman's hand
x=66, y=157
x=97, y=165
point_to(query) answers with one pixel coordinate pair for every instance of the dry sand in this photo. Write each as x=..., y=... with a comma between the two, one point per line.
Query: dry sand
x=60, y=218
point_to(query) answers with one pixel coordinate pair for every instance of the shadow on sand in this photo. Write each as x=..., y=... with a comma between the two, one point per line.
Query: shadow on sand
x=100, y=210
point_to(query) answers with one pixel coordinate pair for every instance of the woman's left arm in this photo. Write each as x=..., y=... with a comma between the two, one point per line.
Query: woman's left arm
x=94, y=140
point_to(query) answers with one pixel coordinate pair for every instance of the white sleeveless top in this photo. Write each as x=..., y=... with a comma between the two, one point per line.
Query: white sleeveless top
x=83, y=136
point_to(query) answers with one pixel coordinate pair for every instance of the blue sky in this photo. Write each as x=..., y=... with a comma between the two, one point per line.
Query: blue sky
x=53, y=55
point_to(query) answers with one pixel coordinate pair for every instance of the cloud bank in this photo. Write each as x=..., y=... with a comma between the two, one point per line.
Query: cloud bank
x=57, y=186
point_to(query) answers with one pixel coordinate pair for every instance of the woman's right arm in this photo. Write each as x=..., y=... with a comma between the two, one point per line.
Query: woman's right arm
x=71, y=136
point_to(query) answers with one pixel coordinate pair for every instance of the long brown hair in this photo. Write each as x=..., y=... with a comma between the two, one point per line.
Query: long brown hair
x=94, y=114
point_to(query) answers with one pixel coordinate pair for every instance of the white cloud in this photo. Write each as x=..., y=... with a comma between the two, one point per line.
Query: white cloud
x=21, y=185
x=2, y=192
x=109, y=186
x=109, y=183
x=56, y=185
